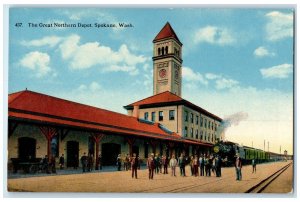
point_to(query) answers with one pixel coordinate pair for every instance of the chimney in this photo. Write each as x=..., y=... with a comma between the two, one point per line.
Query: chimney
x=135, y=112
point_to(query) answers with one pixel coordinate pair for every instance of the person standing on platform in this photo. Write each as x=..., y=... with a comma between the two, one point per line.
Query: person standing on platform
x=253, y=166
x=218, y=166
x=62, y=162
x=196, y=166
x=192, y=165
x=126, y=162
x=238, y=167
x=84, y=162
x=119, y=162
x=173, y=164
x=181, y=162
x=134, y=166
x=201, y=164
x=151, y=166
x=165, y=164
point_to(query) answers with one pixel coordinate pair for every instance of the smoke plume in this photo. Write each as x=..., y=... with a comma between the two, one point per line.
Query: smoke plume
x=230, y=120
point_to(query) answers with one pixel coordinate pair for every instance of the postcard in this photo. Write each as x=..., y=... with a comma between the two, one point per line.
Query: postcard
x=151, y=100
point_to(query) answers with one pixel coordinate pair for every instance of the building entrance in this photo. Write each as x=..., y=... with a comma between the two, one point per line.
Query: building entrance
x=27, y=148
x=72, y=153
x=110, y=153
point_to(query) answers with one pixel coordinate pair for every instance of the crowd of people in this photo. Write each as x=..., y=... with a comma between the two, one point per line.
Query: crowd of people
x=203, y=165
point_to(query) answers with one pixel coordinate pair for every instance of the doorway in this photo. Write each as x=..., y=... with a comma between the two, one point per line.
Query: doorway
x=26, y=148
x=72, y=153
x=110, y=152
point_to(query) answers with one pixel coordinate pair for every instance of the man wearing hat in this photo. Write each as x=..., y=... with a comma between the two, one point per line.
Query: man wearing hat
x=151, y=166
x=238, y=167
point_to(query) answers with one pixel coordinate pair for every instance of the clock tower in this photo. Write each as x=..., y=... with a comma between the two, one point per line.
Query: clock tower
x=167, y=62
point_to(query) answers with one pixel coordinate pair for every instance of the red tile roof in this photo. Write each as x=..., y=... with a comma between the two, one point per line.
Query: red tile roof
x=166, y=99
x=28, y=105
x=166, y=32
x=163, y=97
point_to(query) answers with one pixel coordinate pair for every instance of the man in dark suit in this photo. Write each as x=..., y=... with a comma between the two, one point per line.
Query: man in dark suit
x=84, y=162
x=151, y=166
x=134, y=165
x=238, y=167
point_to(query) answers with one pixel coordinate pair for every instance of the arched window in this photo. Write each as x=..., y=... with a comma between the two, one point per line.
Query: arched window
x=163, y=51
x=166, y=49
x=158, y=51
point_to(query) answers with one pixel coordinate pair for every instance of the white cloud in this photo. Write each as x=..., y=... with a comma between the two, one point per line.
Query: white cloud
x=93, y=87
x=212, y=76
x=223, y=83
x=45, y=41
x=38, y=62
x=262, y=52
x=214, y=35
x=280, y=71
x=189, y=75
x=93, y=54
x=279, y=26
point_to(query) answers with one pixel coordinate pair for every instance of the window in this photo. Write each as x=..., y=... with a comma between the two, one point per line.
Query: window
x=185, y=131
x=153, y=116
x=208, y=124
x=192, y=118
x=197, y=134
x=163, y=51
x=205, y=136
x=166, y=49
x=192, y=132
x=197, y=120
x=171, y=115
x=186, y=117
x=215, y=127
x=208, y=137
x=201, y=135
x=205, y=123
x=201, y=121
x=160, y=116
x=146, y=115
x=158, y=51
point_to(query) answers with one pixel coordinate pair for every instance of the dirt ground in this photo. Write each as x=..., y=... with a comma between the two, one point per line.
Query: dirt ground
x=121, y=182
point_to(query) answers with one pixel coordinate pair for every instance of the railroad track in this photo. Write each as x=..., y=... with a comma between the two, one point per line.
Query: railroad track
x=258, y=188
x=262, y=185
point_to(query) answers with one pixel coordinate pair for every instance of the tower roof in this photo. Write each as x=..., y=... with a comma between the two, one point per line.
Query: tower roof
x=166, y=32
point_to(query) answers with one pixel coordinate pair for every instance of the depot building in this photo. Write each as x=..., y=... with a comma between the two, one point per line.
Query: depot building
x=163, y=124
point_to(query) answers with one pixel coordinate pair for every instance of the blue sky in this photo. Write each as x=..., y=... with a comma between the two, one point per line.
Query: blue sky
x=235, y=61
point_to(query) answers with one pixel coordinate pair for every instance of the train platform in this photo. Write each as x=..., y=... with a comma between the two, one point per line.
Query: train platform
x=121, y=182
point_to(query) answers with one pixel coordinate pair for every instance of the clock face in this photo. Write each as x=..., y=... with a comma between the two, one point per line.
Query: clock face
x=162, y=73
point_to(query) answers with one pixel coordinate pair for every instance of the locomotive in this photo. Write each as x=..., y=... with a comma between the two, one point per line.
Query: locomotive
x=229, y=150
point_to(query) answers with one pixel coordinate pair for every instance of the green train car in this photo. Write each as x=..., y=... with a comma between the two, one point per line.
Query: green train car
x=252, y=153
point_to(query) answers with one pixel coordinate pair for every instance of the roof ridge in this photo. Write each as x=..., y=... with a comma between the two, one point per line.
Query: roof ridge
x=152, y=97
x=73, y=102
x=17, y=96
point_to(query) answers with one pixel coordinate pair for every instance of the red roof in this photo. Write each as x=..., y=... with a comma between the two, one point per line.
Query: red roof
x=28, y=105
x=163, y=97
x=166, y=32
x=166, y=99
